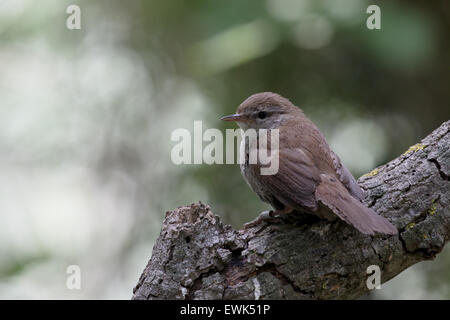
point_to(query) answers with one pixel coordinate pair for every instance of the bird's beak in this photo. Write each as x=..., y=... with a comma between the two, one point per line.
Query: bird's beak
x=234, y=117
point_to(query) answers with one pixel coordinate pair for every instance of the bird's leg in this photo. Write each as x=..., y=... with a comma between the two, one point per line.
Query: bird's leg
x=268, y=216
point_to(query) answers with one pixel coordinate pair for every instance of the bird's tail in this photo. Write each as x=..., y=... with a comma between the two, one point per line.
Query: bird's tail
x=331, y=193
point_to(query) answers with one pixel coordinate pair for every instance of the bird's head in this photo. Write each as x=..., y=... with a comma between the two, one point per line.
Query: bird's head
x=264, y=110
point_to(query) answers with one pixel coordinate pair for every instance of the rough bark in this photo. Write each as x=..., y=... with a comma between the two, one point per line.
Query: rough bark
x=198, y=257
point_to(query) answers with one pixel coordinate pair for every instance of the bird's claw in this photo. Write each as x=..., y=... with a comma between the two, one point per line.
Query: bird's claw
x=266, y=216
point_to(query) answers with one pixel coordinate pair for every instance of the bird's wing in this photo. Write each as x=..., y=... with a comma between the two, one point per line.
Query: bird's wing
x=335, y=196
x=347, y=178
x=295, y=182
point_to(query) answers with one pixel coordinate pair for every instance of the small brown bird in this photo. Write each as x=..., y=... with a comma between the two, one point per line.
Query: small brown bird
x=310, y=178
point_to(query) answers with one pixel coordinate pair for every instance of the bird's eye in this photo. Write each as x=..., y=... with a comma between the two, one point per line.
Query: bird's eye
x=262, y=114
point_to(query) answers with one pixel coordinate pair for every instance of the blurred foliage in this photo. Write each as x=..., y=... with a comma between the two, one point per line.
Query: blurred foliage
x=86, y=117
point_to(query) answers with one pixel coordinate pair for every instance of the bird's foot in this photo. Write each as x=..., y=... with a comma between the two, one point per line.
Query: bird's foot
x=268, y=216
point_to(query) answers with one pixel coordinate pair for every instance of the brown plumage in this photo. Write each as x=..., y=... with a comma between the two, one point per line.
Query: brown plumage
x=311, y=178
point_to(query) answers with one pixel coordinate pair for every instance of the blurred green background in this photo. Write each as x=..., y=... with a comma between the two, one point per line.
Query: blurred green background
x=86, y=118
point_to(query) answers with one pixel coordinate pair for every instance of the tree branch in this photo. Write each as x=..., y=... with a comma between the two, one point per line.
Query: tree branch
x=198, y=257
